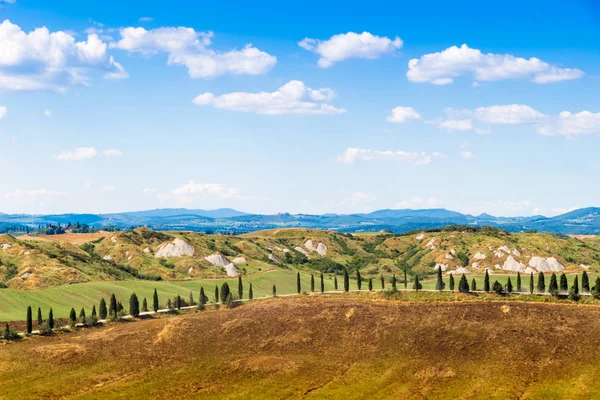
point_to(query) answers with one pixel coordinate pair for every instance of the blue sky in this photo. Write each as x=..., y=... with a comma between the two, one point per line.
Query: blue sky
x=120, y=106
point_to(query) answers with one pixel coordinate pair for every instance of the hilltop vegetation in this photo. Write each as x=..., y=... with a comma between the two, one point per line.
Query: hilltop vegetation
x=143, y=254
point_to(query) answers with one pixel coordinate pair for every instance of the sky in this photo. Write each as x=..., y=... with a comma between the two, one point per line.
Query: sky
x=319, y=107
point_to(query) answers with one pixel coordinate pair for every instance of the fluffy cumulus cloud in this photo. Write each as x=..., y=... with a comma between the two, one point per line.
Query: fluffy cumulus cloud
x=478, y=119
x=403, y=114
x=190, y=48
x=292, y=98
x=441, y=68
x=571, y=125
x=417, y=202
x=354, y=155
x=87, y=153
x=198, y=189
x=350, y=45
x=3, y=111
x=41, y=60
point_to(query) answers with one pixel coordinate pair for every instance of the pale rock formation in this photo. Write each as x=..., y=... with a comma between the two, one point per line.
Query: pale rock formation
x=479, y=256
x=584, y=266
x=444, y=267
x=529, y=270
x=322, y=249
x=550, y=264
x=218, y=260
x=420, y=236
x=497, y=266
x=5, y=246
x=462, y=270
x=453, y=252
x=231, y=270
x=516, y=252
x=25, y=275
x=301, y=250
x=431, y=243
x=113, y=239
x=449, y=257
x=499, y=254
x=273, y=258
x=286, y=250
x=475, y=265
x=309, y=245
x=504, y=249
x=239, y=260
x=107, y=257
x=28, y=253
x=177, y=248
x=146, y=250
x=513, y=265
x=190, y=270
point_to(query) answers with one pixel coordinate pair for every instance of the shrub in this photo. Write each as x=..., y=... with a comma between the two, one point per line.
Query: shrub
x=9, y=334
x=45, y=329
x=497, y=287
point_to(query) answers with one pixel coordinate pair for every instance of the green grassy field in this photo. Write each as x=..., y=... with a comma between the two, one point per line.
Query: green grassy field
x=13, y=303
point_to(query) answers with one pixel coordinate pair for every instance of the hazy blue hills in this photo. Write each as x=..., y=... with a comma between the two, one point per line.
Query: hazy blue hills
x=226, y=220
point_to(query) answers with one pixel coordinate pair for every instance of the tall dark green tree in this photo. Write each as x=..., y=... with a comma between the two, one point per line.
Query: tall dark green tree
x=298, y=283
x=178, y=302
x=312, y=283
x=382, y=282
x=72, y=317
x=439, y=284
x=541, y=285
x=497, y=287
x=191, y=299
x=346, y=280
x=417, y=285
x=225, y=292
x=250, y=292
x=451, y=282
x=145, y=305
x=474, y=285
x=216, y=293
x=519, y=287
x=29, y=321
x=134, y=305
x=564, y=284
x=574, y=291
x=370, y=284
x=358, y=280
x=394, y=287
x=486, y=282
x=553, y=285
x=322, y=283
x=509, y=286
x=51, y=319
x=240, y=287
x=585, y=282
x=596, y=288
x=274, y=291
x=531, y=283
x=155, y=304
x=204, y=299
x=82, y=315
x=463, y=285
x=40, y=320
x=335, y=283
x=113, y=308
x=94, y=315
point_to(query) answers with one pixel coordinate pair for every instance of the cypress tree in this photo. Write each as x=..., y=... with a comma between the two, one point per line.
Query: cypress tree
x=463, y=285
x=564, y=285
x=102, y=309
x=370, y=284
x=451, y=282
x=596, y=287
x=405, y=267
x=112, y=308
x=119, y=306
x=585, y=282
x=204, y=299
x=417, y=285
x=346, y=280
x=192, y=299
x=51, y=319
x=486, y=282
x=72, y=317
x=541, y=286
x=322, y=284
x=225, y=292
x=178, y=302
x=134, y=306
x=82, y=315
x=274, y=291
x=439, y=284
x=155, y=301
x=358, y=280
x=94, y=315
x=145, y=305
x=29, y=321
x=335, y=283
x=497, y=287
x=250, y=293
x=382, y=283
x=169, y=304
x=298, y=283
x=40, y=321
x=519, y=287
x=240, y=287
x=394, y=287
x=531, y=283
x=509, y=286
x=553, y=285
x=312, y=283
x=216, y=293
x=474, y=285
x=575, y=287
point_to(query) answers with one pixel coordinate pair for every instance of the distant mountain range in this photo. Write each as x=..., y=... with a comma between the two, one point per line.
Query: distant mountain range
x=226, y=220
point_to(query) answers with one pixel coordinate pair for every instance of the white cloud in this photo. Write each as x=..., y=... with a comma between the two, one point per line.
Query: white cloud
x=44, y=60
x=47, y=113
x=3, y=111
x=81, y=153
x=559, y=210
x=357, y=198
x=111, y=153
x=33, y=193
x=350, y=45
x=457, y=124
x=292, y=98
x=108, y=188
x=87, y=185
x=508, y=114
x=467, y=155
x=441, y=68
x=188, y=47
x=571, y=125
x=354, y=155
x=417, y=202
x=403, y=114
x=248, y=61
x=197, y=189
x=146, y=19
